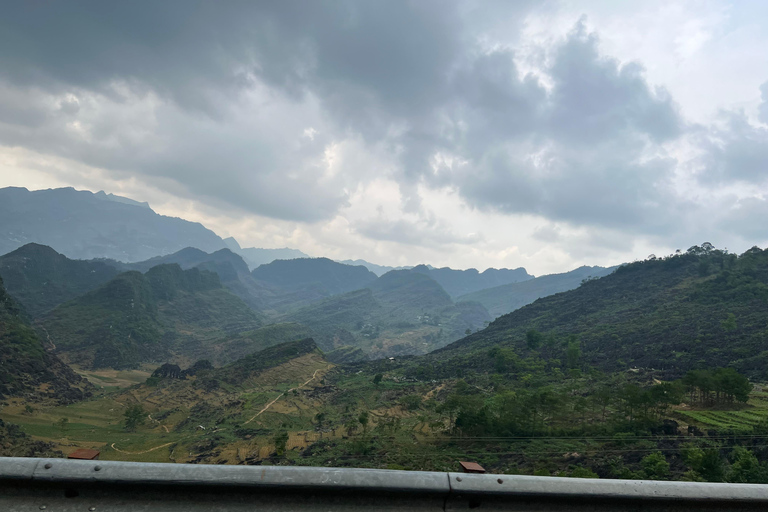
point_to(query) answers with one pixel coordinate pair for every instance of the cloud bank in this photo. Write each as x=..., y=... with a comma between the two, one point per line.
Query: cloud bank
x=458, y=133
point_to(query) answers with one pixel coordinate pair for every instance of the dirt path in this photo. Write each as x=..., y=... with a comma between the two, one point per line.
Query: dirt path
x=139, y=453
x=314, y=375
x=156, y=421
x=48, y=336
x=270, y=404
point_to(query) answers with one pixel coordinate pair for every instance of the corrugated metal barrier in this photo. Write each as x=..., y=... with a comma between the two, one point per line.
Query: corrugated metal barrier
x=55, y=485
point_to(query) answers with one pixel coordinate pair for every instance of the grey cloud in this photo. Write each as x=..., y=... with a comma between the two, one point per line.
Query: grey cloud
x=763, y=108
x=737, y=151
x=371, y=65
x=747, y=216
x=578, y=153
x=412, y=78
x=594, y=97
x=425, y=232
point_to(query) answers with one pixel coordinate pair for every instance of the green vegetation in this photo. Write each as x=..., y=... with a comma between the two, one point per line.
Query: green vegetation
x=651, y=372
x=40, y=278
x=141, y=317
x=503, y=299
x=461, y=282
x=134, y=416
x=400, y=313
x=25, y=367
x=665, y=314
x=330, y=277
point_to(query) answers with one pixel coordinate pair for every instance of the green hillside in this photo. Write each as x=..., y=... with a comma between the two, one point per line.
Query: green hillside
x=704, y=308
x=273, y=288
x=641, y=374
x=40, y=278
x=503, y=299
x=334, y=278
x=17, y=444
x=461, y=282
x=240, y=372
x=26, y=369
x=400, y=313
x=237, y=346
x=136, y=317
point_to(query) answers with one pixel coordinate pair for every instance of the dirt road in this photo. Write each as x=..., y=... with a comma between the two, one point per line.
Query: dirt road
x=270, y=404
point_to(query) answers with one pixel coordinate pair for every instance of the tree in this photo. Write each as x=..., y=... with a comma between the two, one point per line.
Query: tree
x=573, y=352
x=602, y=398
x=63, y=423
x=746, y=469
x=582, y=472
x=729, y=324
x=363, y=420
x=661, y=396
x=377, y=378
x=280, y=440
x=711, y=467
x=655, y=466
x=732, y=385
x=134, y=416
x=727, y=384
x=533, y=339
x=411, y=402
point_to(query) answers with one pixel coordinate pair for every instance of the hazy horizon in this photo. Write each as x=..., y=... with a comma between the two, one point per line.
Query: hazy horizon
x=463, y=134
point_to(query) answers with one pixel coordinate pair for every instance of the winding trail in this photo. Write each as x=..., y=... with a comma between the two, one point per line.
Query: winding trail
x=48, y=336
x=139, y=453
x=314, y=375
x=281, y=395
x=158, y=422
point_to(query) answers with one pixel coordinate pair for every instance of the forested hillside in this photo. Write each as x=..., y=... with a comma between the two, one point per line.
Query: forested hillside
x=703, y=308
x=328, y=275
x=167, y=312
x=402, y=312
x=40, y=278
x=27, y=370
x=639, y=374
x=503, y=299
x=462, y=282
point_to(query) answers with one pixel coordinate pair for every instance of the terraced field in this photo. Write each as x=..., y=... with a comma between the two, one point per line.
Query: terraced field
x=726, y=420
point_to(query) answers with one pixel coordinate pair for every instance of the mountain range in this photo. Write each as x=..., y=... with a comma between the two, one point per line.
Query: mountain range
x=27, y=369
x=85, y=225
x=499, y=300
x=700, y=309
x=192, y=304
x=592, y=381
x=167, y=313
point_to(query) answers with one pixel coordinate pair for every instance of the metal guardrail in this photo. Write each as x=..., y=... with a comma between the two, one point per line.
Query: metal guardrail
x=55, y=485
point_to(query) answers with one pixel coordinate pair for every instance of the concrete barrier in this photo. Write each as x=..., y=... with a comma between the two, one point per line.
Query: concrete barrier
x=75, y=485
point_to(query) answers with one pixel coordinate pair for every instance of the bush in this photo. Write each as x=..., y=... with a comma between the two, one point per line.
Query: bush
x=582, y=472
x=655, y=466
x=410, y=402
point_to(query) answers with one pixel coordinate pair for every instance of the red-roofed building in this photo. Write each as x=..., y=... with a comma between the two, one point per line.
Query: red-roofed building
x=471, y=467
x=84, y=454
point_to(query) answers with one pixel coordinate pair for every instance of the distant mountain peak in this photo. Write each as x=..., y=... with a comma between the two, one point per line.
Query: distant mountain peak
x=84, y=225
x=120, y=199
x=232, y=243
x=460, y=282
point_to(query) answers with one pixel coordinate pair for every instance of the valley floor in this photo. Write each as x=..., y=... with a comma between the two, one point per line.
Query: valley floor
x=308, y=412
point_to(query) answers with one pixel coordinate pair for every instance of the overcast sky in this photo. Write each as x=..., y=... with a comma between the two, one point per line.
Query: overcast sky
x=469, y=133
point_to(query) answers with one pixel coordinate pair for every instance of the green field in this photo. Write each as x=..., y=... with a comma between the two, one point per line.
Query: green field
x=743, y=420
